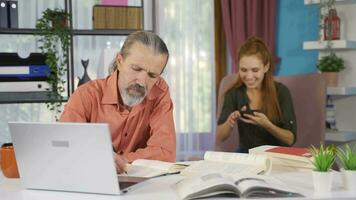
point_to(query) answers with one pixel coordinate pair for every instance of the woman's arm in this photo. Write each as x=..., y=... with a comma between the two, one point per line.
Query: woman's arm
x=284, y=135
x=224, y=130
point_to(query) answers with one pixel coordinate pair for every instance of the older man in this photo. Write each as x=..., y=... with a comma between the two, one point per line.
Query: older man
x=134, y=100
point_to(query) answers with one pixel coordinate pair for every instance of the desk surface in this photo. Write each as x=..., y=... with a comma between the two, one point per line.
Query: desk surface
x=161, y=188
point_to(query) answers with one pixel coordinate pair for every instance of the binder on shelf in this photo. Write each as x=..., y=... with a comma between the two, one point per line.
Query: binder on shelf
x=24, y=86
x=24, y=73
x=117, y=17
x=13, y=68
x=13, y=59
x=13, y=14
x=3, y=14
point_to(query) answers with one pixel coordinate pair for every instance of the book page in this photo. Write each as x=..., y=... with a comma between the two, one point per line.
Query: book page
x=151, y=168
x=157, y=164
x=205, y=186
x=229, y=164
x=229, y=157
x=262, y=186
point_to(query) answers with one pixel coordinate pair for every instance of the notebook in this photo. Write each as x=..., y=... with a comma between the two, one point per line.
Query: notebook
x=75, y=157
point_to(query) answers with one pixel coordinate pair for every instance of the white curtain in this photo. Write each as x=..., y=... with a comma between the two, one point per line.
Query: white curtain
x=187, y=27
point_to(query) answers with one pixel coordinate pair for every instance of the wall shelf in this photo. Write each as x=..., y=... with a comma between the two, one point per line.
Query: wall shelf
x=89, y=32
x=308, y=2
x=24, y=97
x=24, y=31
x=340, y=136
x=335, y=44
x=341, y=91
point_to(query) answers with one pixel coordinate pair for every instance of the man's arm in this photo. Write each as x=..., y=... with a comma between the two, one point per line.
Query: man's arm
x=76, y=109
x=162, y=142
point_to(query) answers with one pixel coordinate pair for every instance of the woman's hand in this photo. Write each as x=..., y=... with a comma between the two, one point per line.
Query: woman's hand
x=257, y=118
x=231, y=120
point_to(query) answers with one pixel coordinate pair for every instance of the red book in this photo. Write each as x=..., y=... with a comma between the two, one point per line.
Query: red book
x=295, y=151
x=286, y=156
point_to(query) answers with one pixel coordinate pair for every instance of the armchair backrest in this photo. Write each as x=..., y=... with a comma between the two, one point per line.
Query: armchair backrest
x=230, y=144
x=308, y=92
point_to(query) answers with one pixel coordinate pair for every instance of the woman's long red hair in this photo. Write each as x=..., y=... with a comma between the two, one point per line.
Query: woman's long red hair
x=270, y=105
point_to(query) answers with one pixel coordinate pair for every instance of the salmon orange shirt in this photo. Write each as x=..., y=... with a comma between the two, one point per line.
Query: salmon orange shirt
x=147, y=131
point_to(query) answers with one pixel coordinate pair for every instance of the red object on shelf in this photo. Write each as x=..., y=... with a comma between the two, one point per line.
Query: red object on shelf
x=332, y=26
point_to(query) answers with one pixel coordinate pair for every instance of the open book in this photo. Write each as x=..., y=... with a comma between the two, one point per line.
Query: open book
x=295, y=157
x=229, y=164
x=245, y=186
x=152, y=168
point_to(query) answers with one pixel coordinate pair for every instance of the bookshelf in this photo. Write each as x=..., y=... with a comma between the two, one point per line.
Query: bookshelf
x=344, y=94
x=76, y=31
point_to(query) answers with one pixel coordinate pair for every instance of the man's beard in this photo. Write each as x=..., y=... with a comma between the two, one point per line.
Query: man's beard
x=133, y=95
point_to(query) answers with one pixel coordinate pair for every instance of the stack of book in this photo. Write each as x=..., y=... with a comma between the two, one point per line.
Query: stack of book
x=295, y=158
x=117, y=17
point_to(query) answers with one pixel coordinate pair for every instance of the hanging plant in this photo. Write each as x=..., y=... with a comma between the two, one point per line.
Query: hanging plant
x=54, y=43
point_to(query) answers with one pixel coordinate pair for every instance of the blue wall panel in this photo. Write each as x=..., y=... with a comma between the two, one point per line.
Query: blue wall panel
x=296, y=23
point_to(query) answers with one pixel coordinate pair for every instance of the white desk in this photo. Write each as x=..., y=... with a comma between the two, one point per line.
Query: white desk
x=161, y=188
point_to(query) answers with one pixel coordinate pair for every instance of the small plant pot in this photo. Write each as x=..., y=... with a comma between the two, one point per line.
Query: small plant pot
x=8, y=162
x=348, y=178
x=322, y=181
x=330, y=78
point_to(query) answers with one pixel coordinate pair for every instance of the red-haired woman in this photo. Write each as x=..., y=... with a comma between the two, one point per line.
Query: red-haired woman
x=270, y=118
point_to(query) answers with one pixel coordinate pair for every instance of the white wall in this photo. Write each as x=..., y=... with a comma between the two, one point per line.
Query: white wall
x=346, y=105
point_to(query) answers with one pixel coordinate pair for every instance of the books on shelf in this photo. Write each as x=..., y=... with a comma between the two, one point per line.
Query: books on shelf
x=229, y=164
x=294, y=157
x=244, y=186
x=153, y=168
x=117, y=17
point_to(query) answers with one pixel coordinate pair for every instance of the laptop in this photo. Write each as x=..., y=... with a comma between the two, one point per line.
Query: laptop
x=74, y=157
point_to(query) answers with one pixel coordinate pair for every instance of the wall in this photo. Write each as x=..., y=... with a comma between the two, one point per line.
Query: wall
x=296, y=23
x=346, y=105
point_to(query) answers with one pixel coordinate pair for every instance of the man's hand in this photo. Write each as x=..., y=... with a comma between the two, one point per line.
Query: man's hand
x=120, y=162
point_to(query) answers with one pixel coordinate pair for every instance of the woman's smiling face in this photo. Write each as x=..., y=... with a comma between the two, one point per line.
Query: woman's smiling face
x=252, y=71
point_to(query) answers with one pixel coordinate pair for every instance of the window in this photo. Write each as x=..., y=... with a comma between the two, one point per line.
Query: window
x=187, y=27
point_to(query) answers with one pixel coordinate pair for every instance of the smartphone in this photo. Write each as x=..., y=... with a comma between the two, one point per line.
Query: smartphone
x=250, y=112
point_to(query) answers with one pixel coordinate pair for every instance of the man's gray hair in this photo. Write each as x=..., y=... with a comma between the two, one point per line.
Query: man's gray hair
x=149, y=39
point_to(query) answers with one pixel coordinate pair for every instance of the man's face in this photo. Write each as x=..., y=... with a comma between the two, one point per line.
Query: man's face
x=252, y=71
x=139, y=71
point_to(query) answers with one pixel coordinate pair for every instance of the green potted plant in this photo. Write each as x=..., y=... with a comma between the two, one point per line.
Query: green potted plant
x=347, y=157
x=323, y=159
x=330, y=65
x=54, y=43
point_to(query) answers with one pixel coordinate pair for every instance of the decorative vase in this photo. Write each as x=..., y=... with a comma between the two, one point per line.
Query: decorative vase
x=348, y=178
x=8, y=161
x=332, y=26
x=322, y=181
x=85, y=78
x=330, y=78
